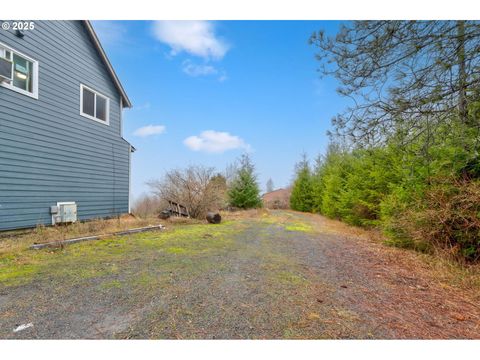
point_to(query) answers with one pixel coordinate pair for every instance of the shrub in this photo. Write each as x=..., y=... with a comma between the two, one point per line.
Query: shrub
x=447, y=217
x=422, y=191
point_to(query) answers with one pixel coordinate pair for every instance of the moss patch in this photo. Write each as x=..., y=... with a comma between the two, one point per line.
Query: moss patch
x=96, y=259
x=17, y=275
x=176, y=250
x=302, y=227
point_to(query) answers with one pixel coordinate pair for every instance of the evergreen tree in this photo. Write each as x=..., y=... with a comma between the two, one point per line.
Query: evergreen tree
x=415, y=73
x=409, y=161
x=333, y=182
x=244, y=192
x=301, y=198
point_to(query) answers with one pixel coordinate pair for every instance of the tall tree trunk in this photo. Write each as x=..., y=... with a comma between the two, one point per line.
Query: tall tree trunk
x=462, y=77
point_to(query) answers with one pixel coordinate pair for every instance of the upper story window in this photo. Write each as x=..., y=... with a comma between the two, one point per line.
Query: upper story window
x=94, y=105
x=23, y=75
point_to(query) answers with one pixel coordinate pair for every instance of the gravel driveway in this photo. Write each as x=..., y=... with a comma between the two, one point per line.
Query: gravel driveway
x=270, y=276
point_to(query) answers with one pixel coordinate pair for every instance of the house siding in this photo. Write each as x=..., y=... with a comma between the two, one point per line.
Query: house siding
x=50, y=153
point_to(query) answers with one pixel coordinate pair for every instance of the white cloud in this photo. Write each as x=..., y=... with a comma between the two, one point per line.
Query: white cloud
x=149, y=130
x=195, y=70
x=215, y=142
x=194, y=37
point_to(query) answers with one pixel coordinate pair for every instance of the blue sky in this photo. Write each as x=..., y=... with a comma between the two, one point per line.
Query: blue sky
x=205, y=92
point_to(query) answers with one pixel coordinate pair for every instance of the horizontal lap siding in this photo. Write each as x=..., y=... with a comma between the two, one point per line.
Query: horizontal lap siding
x=48, y=152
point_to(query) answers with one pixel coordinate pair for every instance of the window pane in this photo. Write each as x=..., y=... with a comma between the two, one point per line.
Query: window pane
x=101, y=108
x=6, y=68
x=88, y=102
x=22, y=73
x=30, y=76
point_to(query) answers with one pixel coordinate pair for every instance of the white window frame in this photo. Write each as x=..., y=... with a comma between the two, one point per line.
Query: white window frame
x=107, y=118
x=35, y=63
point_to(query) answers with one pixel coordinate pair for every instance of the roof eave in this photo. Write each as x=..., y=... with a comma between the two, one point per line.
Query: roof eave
x=126, y=101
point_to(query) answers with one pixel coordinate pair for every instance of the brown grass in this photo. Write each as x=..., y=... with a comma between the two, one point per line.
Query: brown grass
x=438, y=266
x=422, y=279
x=19, y=240
x=244, y=214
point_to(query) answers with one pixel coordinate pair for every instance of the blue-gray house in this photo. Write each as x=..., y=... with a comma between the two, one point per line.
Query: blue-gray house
x=62, y=154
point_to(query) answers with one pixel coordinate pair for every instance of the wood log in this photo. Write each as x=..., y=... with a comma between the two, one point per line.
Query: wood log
x=214, y=218
x=164, y=215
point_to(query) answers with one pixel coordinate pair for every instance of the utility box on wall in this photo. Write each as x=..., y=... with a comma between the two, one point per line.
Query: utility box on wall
x=64, y=212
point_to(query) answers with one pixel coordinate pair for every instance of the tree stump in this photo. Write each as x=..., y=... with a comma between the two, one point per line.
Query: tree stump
x=214, y=218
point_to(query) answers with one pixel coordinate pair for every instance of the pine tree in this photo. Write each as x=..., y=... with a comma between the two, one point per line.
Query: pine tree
x=302, y=191
x=400, y=73
x=318, y=186
x=244, y=192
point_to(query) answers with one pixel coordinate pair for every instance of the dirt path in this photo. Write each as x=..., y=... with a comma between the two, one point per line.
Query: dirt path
x=283, y=275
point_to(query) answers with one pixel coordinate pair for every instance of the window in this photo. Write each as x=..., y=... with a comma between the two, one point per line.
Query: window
x=24, y=72
x=94, y=105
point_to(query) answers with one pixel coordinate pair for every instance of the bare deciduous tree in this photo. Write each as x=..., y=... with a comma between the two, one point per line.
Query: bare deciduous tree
x=198, y=188
x=148, y=205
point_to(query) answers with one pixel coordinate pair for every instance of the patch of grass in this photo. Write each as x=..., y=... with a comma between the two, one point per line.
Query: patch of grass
x=112, y=284
x=18, y=270
x=145, y=279
x=95, y=259
x=290, y=278
x=17, y=275
x=289, y=221
x=176, y=250
x=245, y=214
x=302, y=227
x=21, y=240
x=105, y=269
